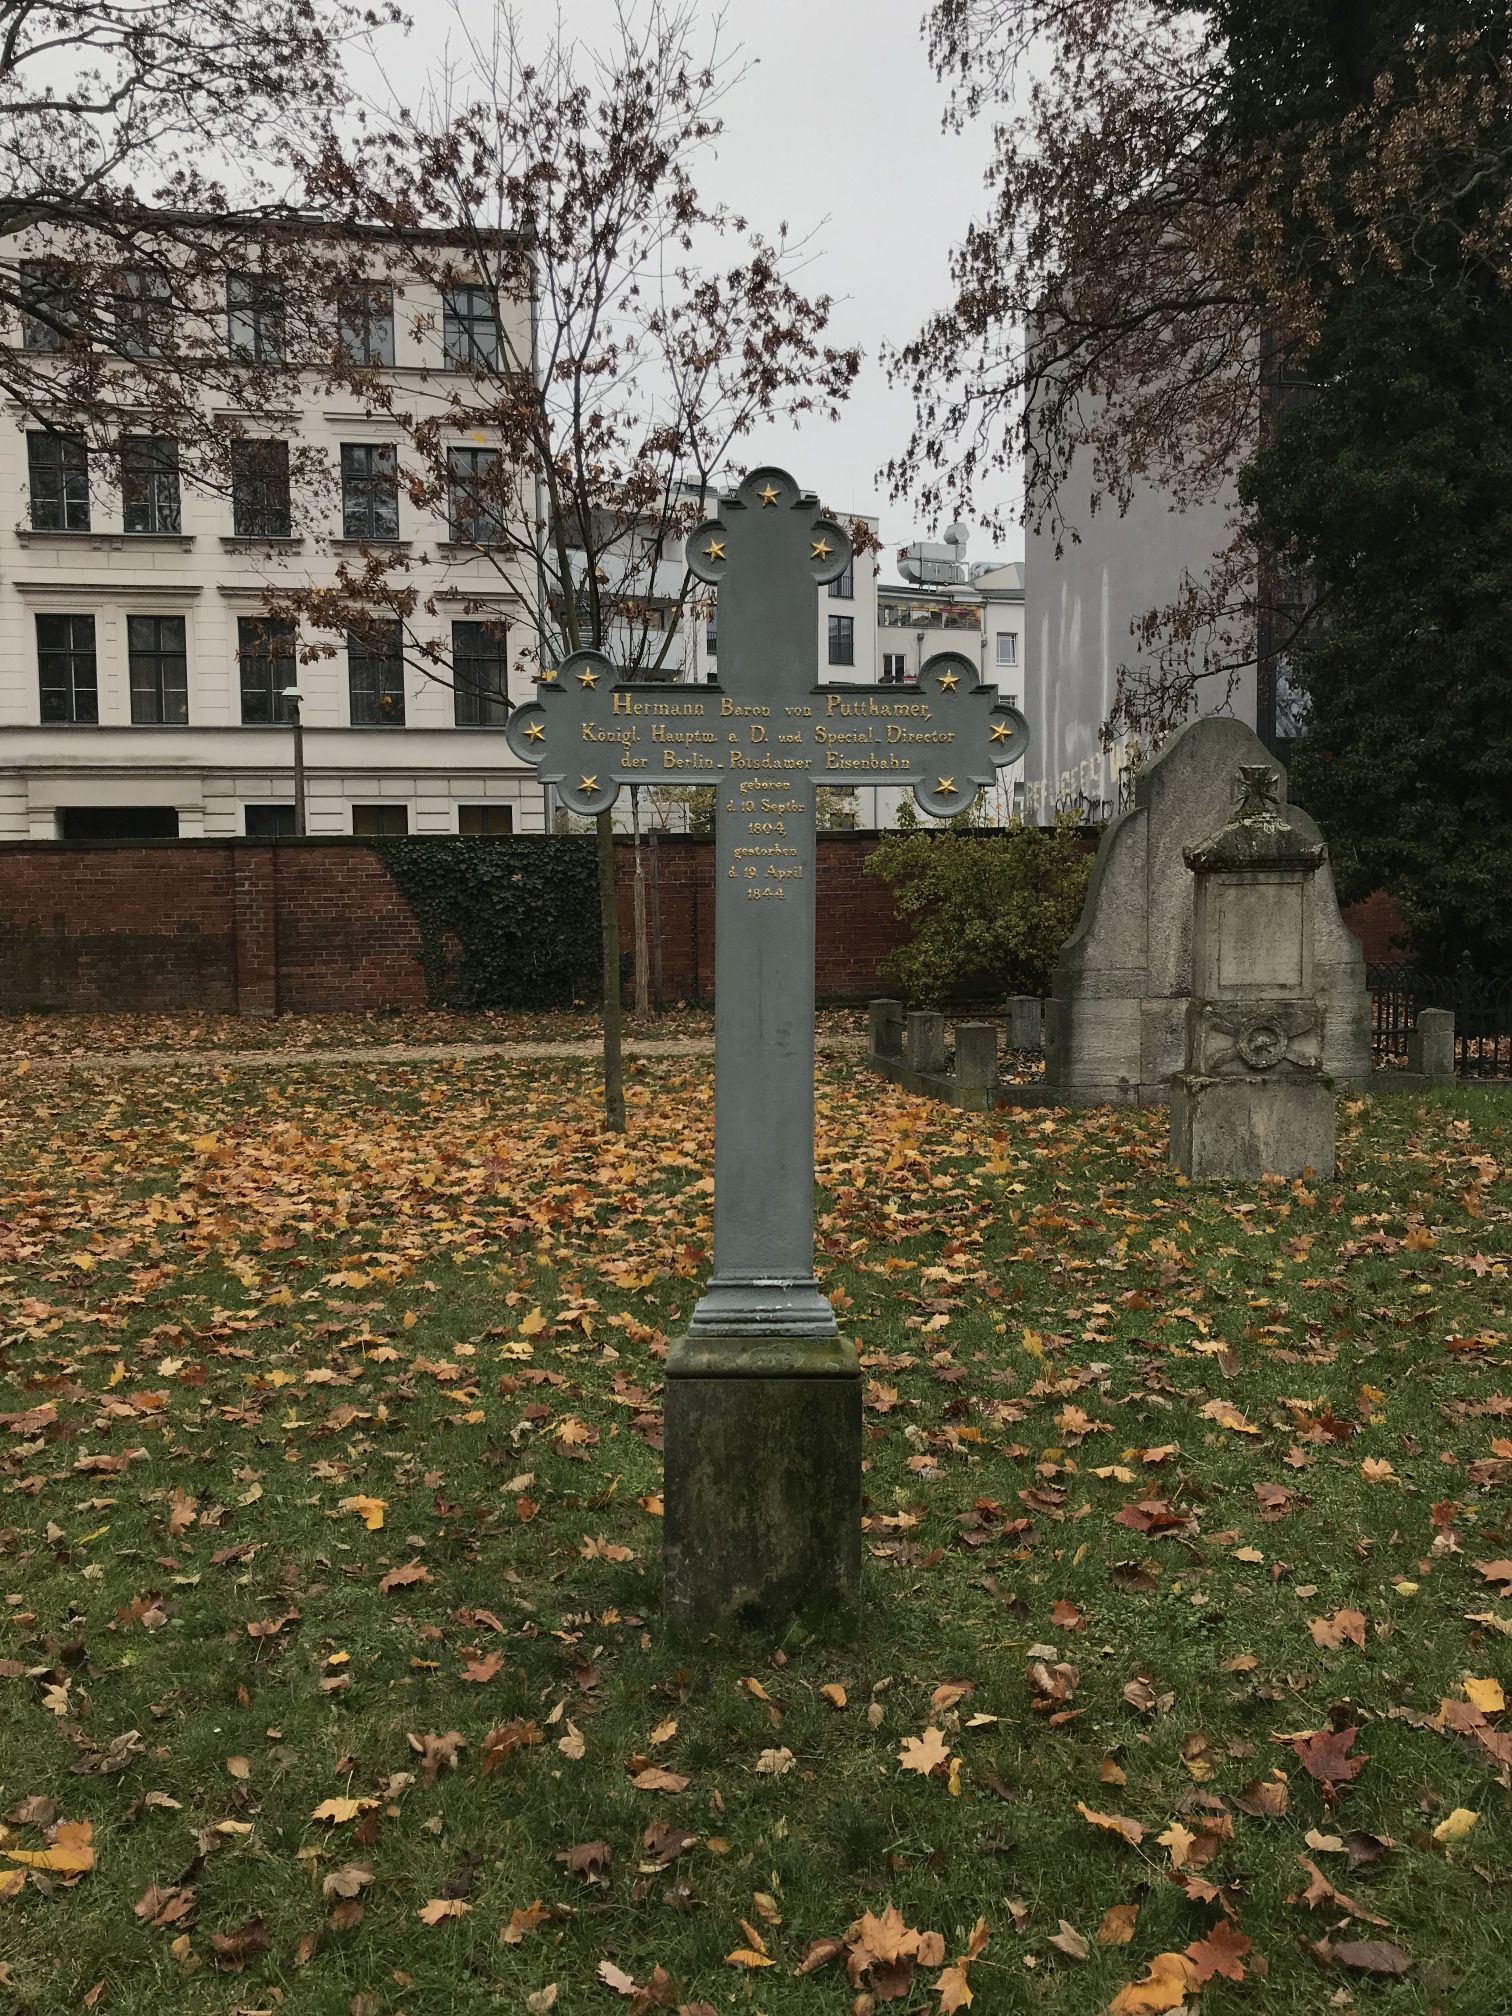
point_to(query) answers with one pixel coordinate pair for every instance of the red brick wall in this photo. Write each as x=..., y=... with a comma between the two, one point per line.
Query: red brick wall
x=106, y=928
x=233, y=927
x=855, y=921
x=318, y=926
x=346, y=940
x=1379, y=929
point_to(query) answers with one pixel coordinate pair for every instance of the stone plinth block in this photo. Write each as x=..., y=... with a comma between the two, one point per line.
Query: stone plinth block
x=1025, y=1022
x=887, y=1028
x=1241, y=1129
x=1430, y=1046
x=762, y=1525
x=926, y=1040
x=976, y=1064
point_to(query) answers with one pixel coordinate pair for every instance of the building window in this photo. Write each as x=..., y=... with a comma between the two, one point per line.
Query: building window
x=711, y=637
x=844, y=589
x=260, y=490
x=470, y=328
x=375, y=676
x=480, y=675
x=269, y=822
x=118, y=822
x=375, y=822
x=894, y=668
x=150, y=483
x=58, y=465
x=475, y=517
x=255, y=318
x=265, y=647
x=485, y=822
x=1007, y=647
x=842, y=640
x=365, y=325
x=144, y=313
x=66, y=668
x=46, y=323
x=159, y=664
x=369, y=491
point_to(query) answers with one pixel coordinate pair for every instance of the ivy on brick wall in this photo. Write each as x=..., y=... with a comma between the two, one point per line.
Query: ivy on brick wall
x=503, y=923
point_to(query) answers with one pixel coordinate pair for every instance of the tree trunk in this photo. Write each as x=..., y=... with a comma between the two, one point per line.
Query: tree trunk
x=642, y=959
x=614, y=1067
x=658, y=998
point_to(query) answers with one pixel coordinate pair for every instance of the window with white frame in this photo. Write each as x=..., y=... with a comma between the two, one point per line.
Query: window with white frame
x=150, y=499
x=58, y=470
x=470, y=327
x=1007, y=647
x=159, y=662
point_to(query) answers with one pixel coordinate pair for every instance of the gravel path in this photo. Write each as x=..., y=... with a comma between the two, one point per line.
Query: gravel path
x=392, y=1053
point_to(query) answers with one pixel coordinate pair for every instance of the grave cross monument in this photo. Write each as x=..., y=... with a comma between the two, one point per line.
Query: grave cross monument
x=763, y=1397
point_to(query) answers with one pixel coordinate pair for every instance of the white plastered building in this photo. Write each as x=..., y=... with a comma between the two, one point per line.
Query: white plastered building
x=130, y=703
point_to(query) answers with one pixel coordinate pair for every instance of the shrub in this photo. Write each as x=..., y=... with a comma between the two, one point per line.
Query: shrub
x=991, y=906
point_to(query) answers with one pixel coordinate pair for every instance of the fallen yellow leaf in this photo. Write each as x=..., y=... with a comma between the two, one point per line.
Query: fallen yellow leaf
x=1486, y=1694
x=1457, y=1827
x=71, y=1851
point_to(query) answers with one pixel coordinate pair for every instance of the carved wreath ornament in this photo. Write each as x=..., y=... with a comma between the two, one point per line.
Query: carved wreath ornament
x=1262, y=1039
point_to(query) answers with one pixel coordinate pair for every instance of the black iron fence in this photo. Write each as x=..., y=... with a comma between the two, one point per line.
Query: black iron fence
x=1482, y=1010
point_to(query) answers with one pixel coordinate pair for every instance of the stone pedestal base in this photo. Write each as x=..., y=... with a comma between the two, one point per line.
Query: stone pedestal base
x=1246, y=1128
x=762, y=1526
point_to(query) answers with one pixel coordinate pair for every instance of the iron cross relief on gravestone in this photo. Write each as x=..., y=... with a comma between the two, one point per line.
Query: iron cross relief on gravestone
x=763, y=1400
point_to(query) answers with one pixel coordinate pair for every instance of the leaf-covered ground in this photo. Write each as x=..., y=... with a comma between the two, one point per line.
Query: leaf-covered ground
x=331, y=1665
x=38, y=1037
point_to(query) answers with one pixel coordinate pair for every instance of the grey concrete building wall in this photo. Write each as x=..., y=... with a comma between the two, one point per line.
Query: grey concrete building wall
x=1081, y=603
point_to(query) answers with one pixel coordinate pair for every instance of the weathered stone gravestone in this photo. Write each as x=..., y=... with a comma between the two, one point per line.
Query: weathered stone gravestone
x=763, y=1397
x=1253, y=1100
x=1115, y=1025
x=1430, y=1046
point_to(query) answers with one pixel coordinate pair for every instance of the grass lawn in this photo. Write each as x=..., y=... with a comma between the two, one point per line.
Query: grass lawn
x=331, y=1667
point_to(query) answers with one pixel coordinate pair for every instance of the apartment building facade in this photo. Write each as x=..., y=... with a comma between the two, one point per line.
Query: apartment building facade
x=150, y=688
x=144, y=689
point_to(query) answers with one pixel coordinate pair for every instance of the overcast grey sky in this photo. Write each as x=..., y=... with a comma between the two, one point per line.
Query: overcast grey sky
x=835, y=129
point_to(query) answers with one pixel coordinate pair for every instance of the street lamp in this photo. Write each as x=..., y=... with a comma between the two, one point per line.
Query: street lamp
x=295, y=700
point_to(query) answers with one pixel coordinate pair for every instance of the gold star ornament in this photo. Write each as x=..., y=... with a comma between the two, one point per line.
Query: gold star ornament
x=1000, y=731
x=946, y=787
x=715, y=550
x=587, y=677
x=535, y=732
x=949, y=681
x=820, y=549
x=768, y=493
x=588, y=783
x=548, y=674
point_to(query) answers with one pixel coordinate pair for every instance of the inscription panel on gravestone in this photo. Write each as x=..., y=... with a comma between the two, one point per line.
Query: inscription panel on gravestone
x=763, y=757
x=1260, y=936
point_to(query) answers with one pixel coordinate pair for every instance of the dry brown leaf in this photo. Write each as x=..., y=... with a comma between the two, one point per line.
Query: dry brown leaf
x=655, y=1779
x=1330, y=1633
x=439, y=1909
x=1117, y=1927
x=404, y=1577
x=1163, y=1987
x=1070, y=1942
x=1221, y=1951
x=1113, y=1823
x=925, y=1753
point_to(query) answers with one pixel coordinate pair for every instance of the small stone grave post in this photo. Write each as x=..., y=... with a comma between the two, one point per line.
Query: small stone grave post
x=763, y=1397
x=1253, y=1100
